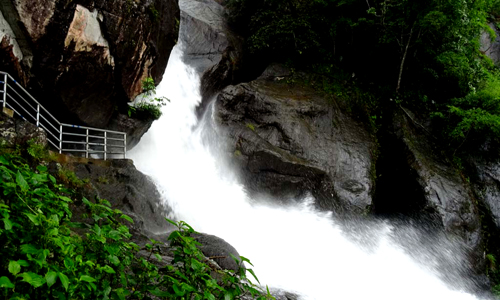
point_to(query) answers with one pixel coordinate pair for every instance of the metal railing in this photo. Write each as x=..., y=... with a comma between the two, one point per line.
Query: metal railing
x=94, y=142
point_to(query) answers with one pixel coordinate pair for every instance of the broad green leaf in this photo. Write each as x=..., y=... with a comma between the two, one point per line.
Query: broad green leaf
x=127, y=218
x=253, y=274
x=29, y=249
x=69, y=263
x=41, y=168
x=33, y=218
x=64, y=280
x=7, y=224
x=33, y=279
x=246, y=260
x=114, y=260
x=21, y=182
x=5, y=281
x=178, y=290
x=14, y=267
x=87, y=278
x=65, y=199
x=122, y=293
x=23, y=263
x=53, y=179
x=3, y=161
x=171, y=222
x=51, y=278
x=87, y=202
x=108, y=269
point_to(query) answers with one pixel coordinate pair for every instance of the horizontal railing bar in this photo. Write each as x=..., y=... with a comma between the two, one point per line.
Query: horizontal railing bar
x=74, y=150
x=90, y=151
x=97, y=137
x=90, y=128
x=116, y=139
x=74, y=142
x=73, y=134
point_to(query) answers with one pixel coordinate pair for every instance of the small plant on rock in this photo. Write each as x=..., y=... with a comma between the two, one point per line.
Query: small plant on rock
x=150, y=106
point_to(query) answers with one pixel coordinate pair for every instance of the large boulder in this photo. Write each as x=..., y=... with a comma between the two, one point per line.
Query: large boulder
x=291, y=141
x=218, y=250
x=89, y=57
x=127, y=189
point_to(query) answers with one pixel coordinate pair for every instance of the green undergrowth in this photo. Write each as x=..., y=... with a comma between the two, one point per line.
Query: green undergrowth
x=47, y=255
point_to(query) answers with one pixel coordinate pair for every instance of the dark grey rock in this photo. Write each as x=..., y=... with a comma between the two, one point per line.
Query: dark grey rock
x=15, y=131
x=218, y=250
x=290, y=141
x=447, y=197
x=211, y=48
x=127, y=189
x=203, y=33
x=489, y=187
x=135, y=128
x=491, y=48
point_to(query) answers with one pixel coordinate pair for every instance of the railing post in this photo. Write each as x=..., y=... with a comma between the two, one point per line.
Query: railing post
x=125, y=145
x=87, y=144
x=60, y=138
x=37, y=115
x=4, y=90
x=105, y=144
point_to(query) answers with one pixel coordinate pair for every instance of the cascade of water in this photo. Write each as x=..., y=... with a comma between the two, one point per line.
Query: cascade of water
x=295, y=248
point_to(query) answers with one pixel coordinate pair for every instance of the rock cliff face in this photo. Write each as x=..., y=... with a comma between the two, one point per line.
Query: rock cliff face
x=87, y=58
x=415, y=180
x=211, y=48
x=290, y=141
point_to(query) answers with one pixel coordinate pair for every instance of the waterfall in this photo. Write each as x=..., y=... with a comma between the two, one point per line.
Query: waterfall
x=295, y=248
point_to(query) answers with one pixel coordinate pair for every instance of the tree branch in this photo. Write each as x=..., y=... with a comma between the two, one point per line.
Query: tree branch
x=404, y=58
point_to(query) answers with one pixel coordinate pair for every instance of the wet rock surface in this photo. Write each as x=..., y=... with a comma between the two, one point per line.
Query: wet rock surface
x=211, y=48
x=288, y=142
x=419, y=182
x=487, y=184
x=127, y=189
x=90, y=57
x=218, y=250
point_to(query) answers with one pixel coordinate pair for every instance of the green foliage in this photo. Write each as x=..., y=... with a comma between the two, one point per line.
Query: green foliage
x=193, y=280
x=43, y=257
x=424, y=54
x=150, y=106
x=69, y=178
x=471, y=119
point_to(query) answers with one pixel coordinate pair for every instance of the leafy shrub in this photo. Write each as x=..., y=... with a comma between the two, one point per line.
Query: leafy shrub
x=43, y=257
x=150, y=106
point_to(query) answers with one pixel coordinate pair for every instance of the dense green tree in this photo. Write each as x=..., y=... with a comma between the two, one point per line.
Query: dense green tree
x=424, y=53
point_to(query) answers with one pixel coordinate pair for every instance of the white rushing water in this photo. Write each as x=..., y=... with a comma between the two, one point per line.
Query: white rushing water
x=295, y=248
